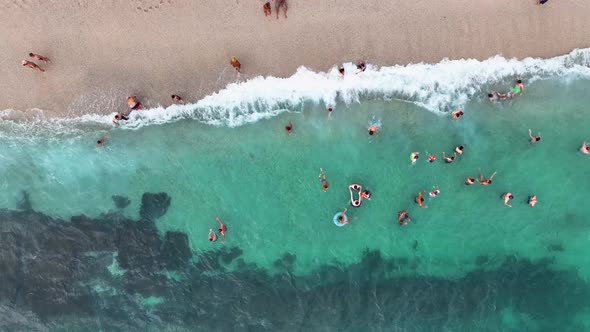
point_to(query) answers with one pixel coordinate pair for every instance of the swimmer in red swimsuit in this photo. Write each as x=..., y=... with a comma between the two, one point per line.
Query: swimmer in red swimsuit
x=420, y=200
x=222, y=229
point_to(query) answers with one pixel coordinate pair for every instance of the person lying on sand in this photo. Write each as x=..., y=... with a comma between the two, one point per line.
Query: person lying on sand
x=32, y=65
x=279, y=4
x=177, y=99
x=39, y=57
x=133, y=103
x=236, y=64
x=266, y=9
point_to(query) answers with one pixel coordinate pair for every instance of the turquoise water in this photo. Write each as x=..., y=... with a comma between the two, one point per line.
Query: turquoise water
x=263, y=184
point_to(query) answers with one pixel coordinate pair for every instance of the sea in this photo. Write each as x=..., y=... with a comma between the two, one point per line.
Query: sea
x=115, y=238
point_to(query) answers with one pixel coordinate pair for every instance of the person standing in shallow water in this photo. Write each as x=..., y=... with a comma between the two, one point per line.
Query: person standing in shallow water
x=323, y=180
x=267, y=9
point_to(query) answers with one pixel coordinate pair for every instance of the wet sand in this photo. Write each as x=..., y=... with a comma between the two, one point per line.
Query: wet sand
x=103, y=51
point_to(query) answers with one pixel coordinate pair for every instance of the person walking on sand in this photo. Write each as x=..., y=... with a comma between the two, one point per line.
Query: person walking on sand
x=279, y=4
x=585, y=149
x=39, y=57
x=236, y=64
x=457, y=114
x=507, y=197
x=177, y=99
x=534, y=139
x=101, y=141
x=420, y=200
x=485, y=182
x=222, y=229
x=212, y=236
x=323, y=180
x=266, y=9
x=342, y=217
x=32, y=65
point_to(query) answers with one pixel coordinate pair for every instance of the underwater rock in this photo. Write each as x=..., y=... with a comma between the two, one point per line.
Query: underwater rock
x=176, y=252
x=120, y=202
x=153, y=206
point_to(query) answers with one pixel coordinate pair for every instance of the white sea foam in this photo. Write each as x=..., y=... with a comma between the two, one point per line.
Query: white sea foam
x=437, y=87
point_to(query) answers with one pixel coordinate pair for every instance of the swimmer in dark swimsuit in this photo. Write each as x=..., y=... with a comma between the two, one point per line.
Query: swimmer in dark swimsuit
x=330, y=110
x=361, y=66
x=485, y=182
x=403, y=218
x=341, y=71
x=420, y=200
x=323, y=180
x=457, y=114
x=279, y=4
x=118, y=117
x=289, y=128
x=133, y=103
x=100, y=142
x=222, y=229
x=469, y=181
x=212, y=236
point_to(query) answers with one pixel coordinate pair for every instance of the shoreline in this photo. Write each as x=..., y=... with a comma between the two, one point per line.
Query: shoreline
x=102, y=53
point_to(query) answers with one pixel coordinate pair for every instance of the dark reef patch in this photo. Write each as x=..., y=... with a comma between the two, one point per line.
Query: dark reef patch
x=54, y=275
x=120, y=202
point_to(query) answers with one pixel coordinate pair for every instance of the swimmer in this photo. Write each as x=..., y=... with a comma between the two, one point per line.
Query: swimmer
x=507, y=197
x=435, y=192
x=518, y=88
x=469, y=181
x=493, y=96
x=267, y=9
x=420, y=200
x=534, y=139
x=330, y=110
x=532, y=200
x=431, y=158
x=585, y=149
x=212, y=236
x=118, y=117
x=236, y=64
x=177, y=99
x=402, y=216
x=289, y=128
x=323, y=180
x=133, y=103
x=373, y=130
x=222, y=229
x=457, y=114
x=414, y=157
x=341, y=217
x=366, y=195
x=485, y=182
x=341, y=70
x=449, y=160
x=100, y=142
x=459, y=149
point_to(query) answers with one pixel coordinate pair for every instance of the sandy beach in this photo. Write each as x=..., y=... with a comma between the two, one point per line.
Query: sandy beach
x=103, y=51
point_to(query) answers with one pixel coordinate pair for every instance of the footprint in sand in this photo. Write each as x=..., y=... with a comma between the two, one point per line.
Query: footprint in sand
x=149, y=5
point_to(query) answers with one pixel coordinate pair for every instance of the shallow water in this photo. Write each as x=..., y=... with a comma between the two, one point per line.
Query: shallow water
x=263, y=184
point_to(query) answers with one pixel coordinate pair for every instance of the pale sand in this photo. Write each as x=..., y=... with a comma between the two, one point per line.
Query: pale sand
x=104, y=50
